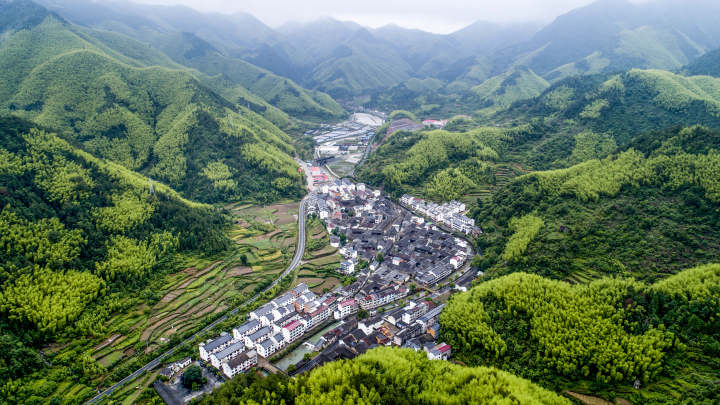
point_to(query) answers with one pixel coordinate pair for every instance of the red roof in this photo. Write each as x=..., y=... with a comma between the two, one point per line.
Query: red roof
x=443, y=348
x=350, y=301
x=292, y=325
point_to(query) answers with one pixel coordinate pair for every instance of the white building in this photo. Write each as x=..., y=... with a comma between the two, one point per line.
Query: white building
x=293, y=331
x=346, y=308
x=229, y=353
x=257, y=337
x=240, y=364
x=214, y=346
x=245, y=329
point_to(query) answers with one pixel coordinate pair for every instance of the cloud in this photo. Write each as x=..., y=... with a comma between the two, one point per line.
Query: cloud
x=437, y=15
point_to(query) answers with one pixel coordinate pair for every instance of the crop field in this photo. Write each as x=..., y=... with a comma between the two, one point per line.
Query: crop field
x=321, y=261
x=187, y=299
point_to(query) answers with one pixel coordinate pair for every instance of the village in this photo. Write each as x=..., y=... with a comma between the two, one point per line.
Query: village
x=399, y=262
x=403, y=259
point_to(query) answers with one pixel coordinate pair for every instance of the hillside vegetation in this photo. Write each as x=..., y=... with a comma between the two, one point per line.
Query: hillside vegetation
x=627, y=214
x=616, y=108
x=599, y=337
x=159, y=121
x=386, y=376
x=440, y=164
x=76, y=235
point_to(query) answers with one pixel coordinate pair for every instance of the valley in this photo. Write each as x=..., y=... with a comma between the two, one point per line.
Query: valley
x=201, y=207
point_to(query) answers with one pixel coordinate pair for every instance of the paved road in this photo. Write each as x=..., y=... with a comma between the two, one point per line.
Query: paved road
x=156, y=362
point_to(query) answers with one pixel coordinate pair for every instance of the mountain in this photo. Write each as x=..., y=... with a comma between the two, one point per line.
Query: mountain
x=514, y=85
x=78, y=234
x=210, y=43
x=707, y=65
x=648, y=211
x=612, y=35
x=157, y=120
x=387, y=376
x=621, y=106
x=616, y=339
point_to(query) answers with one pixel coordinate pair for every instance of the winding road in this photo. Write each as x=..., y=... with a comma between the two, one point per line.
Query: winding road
x=156, y=361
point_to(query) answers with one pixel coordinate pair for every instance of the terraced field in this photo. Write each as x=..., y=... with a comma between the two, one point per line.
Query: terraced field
x=321, y=261
x=186, y=300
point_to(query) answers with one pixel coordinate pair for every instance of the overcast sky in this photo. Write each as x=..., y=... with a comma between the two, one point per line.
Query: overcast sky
x=442, y=16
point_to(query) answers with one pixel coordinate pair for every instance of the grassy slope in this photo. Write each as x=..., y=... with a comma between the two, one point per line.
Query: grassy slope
x=509, y=87
x=160, y=121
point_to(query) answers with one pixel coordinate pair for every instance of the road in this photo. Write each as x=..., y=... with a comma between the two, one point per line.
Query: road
x=156, y=362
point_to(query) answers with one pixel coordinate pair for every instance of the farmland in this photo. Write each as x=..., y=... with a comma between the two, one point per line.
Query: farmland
x=183, y=301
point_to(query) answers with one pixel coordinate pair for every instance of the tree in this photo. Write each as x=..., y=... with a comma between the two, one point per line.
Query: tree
x=380, y=257
x=192, y=377
x=363, y=314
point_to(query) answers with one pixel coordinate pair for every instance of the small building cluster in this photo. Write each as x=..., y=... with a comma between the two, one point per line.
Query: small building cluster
x=172, y=369
x=449, y=214
x=413, y=326
x=268, y=329
x=318, y=175
x=396, y=245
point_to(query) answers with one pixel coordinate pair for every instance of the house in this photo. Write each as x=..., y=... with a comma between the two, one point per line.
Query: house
x=293, y=330
x=214, y=346
x=262, y=311
x=334, y=241
x=299, y=290
x=346, y=308
x=240, y=364
x=347, y=267
x=245, y=329
x=268, y=347
x=439, y=352
x=369, y=325
x=317, y=316
x=257, y=337
x=284, y=300
x=230, y=352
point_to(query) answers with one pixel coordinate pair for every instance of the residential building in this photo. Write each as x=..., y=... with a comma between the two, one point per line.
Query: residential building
x=257, y=337
x=214, y=346
x=346, y=308
x=240, y=364
x=245, y=329
x=440, y=352
x=216, y=359
x=293, y=330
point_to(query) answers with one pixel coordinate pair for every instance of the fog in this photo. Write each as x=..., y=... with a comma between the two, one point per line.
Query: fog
x=441, y=16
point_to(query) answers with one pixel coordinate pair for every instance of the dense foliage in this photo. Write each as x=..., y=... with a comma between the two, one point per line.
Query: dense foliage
x=608, y=111
x=386, y=376
x=159, y=121
x=610, y=331
x=625, y=214
x=440, y=164
x=76, y=233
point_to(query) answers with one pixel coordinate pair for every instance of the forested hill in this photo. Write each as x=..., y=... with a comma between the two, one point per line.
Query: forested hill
x=708, y=64
x=162, y=122
x=76, y=234
x=615, y=108
x=599, y=338
x=646, y=212
x=209, y=43
x=386, y=376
